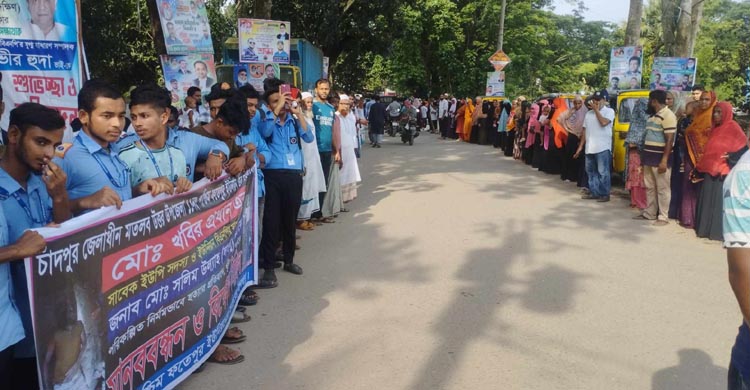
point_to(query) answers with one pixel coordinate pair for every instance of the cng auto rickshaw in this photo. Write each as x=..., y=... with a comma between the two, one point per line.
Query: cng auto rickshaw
x=626, y=101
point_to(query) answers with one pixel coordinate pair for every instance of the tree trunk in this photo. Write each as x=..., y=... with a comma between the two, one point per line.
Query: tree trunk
x=680, y=23
x=262, y=9
x=633, y=29
x=244, y=8
x=156, y=31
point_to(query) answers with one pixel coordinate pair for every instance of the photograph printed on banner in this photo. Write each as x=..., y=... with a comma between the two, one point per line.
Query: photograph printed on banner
x=185, y=26
x=673, y=73
x=254, y=74
x=495, y=85
x=266, y=41
x=183, y=72
x=625, y=69
x=40, y=56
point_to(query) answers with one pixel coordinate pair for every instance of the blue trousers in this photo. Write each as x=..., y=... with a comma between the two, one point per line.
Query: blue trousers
x=598, y=169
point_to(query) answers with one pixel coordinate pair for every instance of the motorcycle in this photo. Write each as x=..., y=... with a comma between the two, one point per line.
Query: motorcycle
x=410, y=132
x=394, y=127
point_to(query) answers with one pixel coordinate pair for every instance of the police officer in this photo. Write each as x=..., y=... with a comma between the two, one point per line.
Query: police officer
x=283, y=177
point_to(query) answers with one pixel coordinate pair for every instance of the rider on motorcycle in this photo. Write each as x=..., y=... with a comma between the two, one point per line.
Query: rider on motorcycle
x=394, y=113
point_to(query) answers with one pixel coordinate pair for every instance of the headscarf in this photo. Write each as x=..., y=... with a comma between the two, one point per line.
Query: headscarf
x=725, y=138
x=469, y=115
x=561, y=136
x=699, y=130
x=637, y=130
x=575, y=118
x=533, y=126
x=502, y=123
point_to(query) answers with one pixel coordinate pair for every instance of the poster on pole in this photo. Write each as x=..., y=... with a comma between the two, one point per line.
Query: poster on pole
x=264, y=41
x=138, y=298
x=255, y=75
x=185, y=71
x=495, y=85
x=40, y=56
x=673, y=73
x=185, y=26
x=625, y=65
x=499, y=60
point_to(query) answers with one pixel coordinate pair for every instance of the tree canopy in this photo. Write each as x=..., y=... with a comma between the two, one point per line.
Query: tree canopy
x=426, y=47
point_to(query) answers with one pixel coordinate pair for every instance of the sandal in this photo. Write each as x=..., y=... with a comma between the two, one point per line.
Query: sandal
x=344, y=210
x=239, y=317
x=248, y=300
x=327, y=220
x=304, y=226
x=640, y=217
x=237, y=338
x=222, y=355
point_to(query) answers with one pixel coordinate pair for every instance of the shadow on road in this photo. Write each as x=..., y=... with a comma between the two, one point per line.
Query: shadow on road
x=695, y=371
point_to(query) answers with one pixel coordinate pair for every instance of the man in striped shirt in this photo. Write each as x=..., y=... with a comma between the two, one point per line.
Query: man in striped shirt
x=660, y=131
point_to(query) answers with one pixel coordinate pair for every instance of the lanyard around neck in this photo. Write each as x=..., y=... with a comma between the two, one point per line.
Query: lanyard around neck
x=172, y=175
x=123, y=180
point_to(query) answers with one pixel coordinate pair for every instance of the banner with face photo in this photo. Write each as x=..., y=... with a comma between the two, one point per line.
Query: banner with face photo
x=495, y=85
x=185, y=26
x=673, y=73
x=183, y=72
x=625, y=65
x=40, y=55
x=254, y=74
x=138, y=298
x=264, y=41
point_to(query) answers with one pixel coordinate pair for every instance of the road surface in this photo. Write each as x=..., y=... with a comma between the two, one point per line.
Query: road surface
x=459, y=268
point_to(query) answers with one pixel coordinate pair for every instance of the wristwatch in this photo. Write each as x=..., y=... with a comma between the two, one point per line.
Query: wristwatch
x=218, y=154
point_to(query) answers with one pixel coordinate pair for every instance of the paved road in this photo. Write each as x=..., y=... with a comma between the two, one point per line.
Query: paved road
x=461, y=269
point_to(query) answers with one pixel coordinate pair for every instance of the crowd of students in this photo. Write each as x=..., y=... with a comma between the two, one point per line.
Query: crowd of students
x=680, y=147
x=305, y=150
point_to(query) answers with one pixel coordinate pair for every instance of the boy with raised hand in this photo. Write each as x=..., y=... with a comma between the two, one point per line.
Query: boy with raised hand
x=32, y=195
x=151, y=157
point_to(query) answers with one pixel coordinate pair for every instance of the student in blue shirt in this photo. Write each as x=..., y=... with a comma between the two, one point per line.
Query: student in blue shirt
x=96, y=176
x=283, y=179
x=11, y=327
x=32, y=194
x=195, y=147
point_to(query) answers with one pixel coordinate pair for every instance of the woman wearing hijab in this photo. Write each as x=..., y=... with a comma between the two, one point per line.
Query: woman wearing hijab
x=634, y=142
x=678, y=172
x=554, y=137
x=539, y=154
x=572, y=123
x=522, y=129
x=726, y=138
x=468, y=119
x=313, y=182
x=504, y=125
x=696, y=137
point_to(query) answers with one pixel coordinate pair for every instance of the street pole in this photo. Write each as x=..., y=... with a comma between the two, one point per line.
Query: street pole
x=502, y=26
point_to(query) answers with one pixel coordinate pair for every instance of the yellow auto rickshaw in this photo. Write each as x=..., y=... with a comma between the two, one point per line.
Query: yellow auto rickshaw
x=626, y=101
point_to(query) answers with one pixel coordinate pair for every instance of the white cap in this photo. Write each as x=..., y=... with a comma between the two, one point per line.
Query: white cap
x=344, y=98
x=306, y=95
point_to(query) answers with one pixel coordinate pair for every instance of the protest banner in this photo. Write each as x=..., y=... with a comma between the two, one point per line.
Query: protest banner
x=625, y=64
x=183, y=72
x=40, y=56
x=138, y=298
x=499, y=60
x=495, y=84
x=673, y=73
x=255, y=74
x=185, y=26
x=264, y=41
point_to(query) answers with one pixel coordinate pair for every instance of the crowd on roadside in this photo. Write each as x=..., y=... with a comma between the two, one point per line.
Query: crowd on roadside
x=305, y=149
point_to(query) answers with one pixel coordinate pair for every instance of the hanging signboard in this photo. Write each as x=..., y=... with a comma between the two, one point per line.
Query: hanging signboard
x=495, y=84
x=264, y=41
x=185, y=26
x=625, y=64
x=499, y=60
x=673, y=73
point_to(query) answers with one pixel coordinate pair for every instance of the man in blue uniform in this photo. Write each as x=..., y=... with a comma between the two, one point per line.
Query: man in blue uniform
x=32, y=194
x=283, y=177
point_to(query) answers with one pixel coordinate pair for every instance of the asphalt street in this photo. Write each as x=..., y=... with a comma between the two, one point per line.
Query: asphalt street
x=458, y=268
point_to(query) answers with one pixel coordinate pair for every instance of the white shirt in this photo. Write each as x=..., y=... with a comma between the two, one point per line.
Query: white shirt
x=433, y=113
x=598, y=137
x=423, y=111
x=34, y=32
x=443, y=108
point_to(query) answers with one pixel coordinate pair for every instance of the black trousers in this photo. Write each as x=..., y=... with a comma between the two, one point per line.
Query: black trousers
x=445, y=125
x=325, y=160
x=283, y=199
x=571, y=167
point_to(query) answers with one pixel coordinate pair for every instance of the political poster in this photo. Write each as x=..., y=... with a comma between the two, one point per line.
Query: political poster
x=495, y=84
x=499, y=60
x=138, y=298
x=254, y=74
x=185, y=26
x=625, y=66
x=40, y=55
x=673, y=73
x=183, y=72
x=264, y=41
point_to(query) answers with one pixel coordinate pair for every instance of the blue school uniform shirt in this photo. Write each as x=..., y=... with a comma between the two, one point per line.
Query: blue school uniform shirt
x=323, y=114
x=194, y=146
x=11, y=327
x=253, y=136
x=27, y=208
x=90, y=167
x=283, y=143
